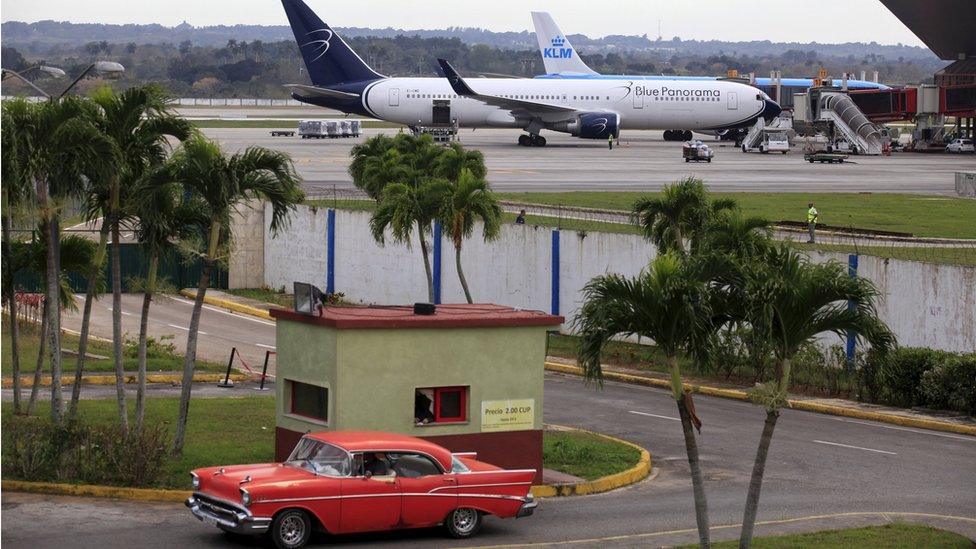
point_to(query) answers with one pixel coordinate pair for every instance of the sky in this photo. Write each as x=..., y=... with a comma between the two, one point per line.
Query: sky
x=742, y=20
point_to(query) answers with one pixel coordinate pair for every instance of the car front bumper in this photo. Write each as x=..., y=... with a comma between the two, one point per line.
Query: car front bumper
x=226, y=516
x=528, y=507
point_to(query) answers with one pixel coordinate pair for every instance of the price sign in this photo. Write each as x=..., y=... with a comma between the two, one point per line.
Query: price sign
x=507, y=415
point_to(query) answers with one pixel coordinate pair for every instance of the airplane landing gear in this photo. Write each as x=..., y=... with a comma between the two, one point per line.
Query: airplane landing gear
x=677, y=135
x=531, y=140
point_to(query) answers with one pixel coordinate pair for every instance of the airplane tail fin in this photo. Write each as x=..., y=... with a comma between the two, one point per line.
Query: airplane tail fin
x=328, y=58
x=557, y=53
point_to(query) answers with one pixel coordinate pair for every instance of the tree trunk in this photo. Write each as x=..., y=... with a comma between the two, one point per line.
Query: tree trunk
x=143, y=335
x=464, y=282
x=53, y=307
x=755, y=484
x=42, y=347
x=697, y=483
x=86, y=318
x=117, y=325
x=424, y=252
x=189, y=361
x=11, y=297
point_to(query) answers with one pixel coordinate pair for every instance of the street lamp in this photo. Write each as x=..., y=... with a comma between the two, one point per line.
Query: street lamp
x=108, y=68
x=50, y=71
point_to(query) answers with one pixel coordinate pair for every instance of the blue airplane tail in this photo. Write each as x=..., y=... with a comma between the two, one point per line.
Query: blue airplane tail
x=329, y=60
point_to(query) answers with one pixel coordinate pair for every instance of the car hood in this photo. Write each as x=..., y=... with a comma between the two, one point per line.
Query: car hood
x=226, y=482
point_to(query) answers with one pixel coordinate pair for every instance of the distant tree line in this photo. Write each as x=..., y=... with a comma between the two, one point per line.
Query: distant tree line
x=257, y=69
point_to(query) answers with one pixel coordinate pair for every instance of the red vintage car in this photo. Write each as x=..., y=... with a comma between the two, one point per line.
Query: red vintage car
x=347, y=482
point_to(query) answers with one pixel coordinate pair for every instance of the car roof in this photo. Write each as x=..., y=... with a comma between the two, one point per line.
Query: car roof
x=365, y=441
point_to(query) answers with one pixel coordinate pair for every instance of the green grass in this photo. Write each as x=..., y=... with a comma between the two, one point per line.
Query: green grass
x=890, y=536
x=585, y=455
x=350, y=205
x=220, y=431
x=266, y=295
x=284, y=123
x=933, y=216
x=30, y=341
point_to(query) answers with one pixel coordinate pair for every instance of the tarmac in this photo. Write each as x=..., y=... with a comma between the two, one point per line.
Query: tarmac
x=643, y=161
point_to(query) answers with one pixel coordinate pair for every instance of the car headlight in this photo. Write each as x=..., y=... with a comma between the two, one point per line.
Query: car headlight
x=194, y=480
x=245, y=497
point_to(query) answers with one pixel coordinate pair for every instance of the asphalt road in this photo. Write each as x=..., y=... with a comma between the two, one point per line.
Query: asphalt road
x=643, y=162
x=823, y=472
x=220, y=330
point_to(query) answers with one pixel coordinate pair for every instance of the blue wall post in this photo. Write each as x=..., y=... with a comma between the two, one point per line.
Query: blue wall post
x=437, y=262
x=330, y=254
x=554, y=308
x=851, y=340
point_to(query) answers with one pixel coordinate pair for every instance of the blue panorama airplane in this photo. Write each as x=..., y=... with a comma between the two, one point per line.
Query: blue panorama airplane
x=589, y=109
x=562, y=62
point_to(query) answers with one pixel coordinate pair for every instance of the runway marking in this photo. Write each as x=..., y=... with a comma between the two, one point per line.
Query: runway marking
x=855, y=447
x=654, y=415
x=228, y=313
x=272, y=347
x=918, y=431
x=883, y=514
x=179, y=327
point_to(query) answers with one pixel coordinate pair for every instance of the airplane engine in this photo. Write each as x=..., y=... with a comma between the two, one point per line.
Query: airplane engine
x=592, y=125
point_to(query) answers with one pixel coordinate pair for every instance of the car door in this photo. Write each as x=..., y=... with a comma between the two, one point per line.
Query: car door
x=369, y=503
x=428, y=494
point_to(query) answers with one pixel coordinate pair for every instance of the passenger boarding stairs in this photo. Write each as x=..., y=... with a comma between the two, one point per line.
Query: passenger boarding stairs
x=863, y=135
x=754, y=138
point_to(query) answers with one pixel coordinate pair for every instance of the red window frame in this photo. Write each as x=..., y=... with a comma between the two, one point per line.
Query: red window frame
x=291, y=404
x=463, y=392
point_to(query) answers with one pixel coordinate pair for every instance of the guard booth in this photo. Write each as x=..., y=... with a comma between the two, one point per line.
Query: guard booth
x=467, y=377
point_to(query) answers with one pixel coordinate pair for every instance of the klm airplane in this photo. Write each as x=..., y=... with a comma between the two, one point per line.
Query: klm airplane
x=562, y=62
x=589, y=109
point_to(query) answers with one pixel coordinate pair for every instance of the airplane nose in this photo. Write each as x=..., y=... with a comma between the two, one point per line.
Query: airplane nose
x=771, y=109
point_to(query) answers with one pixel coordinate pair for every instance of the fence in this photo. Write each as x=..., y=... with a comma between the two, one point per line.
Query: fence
x=544, y=268
x=173, y=268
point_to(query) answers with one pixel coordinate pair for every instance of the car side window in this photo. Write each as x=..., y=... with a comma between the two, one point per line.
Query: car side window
x=414, y=465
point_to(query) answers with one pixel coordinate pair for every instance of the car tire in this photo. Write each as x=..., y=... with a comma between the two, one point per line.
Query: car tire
x=463, y=522
x=291, y=529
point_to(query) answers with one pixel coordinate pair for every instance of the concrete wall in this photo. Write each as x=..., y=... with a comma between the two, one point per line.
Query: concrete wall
x=246, y=261
x=926, y=304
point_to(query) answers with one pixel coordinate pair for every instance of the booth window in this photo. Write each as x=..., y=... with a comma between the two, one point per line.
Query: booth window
x=440, y=405
x=310, y=401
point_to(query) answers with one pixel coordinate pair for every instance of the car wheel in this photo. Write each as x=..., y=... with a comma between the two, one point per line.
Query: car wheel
x=291, y=529
x=463, y=523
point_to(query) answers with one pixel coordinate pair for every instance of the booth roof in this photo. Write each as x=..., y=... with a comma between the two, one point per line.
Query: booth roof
x=478, y=315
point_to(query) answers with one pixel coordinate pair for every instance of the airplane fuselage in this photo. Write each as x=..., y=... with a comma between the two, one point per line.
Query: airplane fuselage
x=657, y=104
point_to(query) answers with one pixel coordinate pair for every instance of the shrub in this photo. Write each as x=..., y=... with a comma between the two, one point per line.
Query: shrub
x=155, y=348
x=899, y=374
x=951, y=385
x=37, y=450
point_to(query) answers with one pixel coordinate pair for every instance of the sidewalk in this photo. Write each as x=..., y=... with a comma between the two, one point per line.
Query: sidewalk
x=956, y=421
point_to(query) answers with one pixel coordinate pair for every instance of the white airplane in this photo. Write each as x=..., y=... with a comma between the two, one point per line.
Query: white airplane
x=590, y=109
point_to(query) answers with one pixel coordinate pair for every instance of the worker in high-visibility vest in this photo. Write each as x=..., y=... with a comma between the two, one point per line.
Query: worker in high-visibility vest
x=812, y=217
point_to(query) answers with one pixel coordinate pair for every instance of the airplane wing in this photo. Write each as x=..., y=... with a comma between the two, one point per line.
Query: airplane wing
x=558, y=55
x=315, y=91
x=516, y=106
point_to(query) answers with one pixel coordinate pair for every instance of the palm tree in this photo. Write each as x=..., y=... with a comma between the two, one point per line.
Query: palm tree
x=163, y=218
x=16, y=193
x=680, y=213
x=138, y=122
x=470, y=199
x=381, y=170
x=667, y=303
x=790, y=301
x=455, y=159
x=403, y=206
x=217, y=184
x=361, y=153
x=737, y=235
x=75, y=254
x=57, y=151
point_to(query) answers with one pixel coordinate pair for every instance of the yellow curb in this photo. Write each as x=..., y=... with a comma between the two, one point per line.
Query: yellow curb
x=230, y=305
x=88, y=490
x=804, y=405
x=109, y=379
x=633, y=475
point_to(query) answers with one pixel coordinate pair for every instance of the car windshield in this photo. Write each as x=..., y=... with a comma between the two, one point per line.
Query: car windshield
x=320, y=458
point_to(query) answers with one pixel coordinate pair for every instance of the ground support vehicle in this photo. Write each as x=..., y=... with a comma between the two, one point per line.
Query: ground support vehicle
x=825, y=157
x=696, y=151
x=961, y=146
x=282, y=133
x=345, y=482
